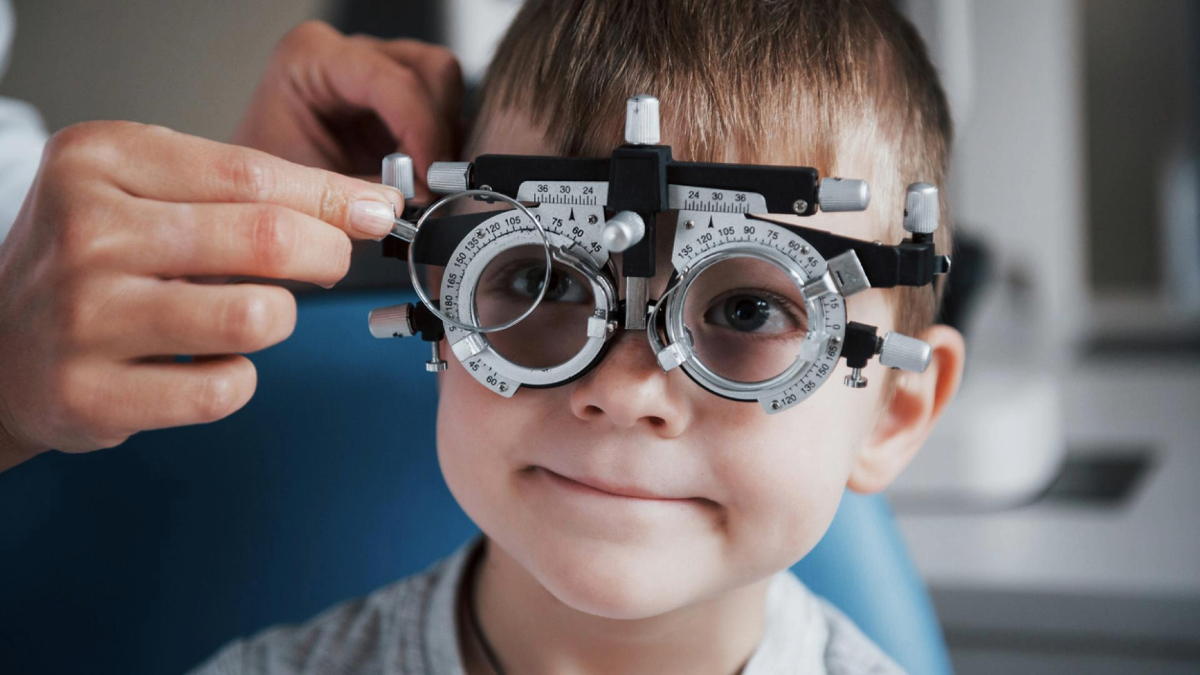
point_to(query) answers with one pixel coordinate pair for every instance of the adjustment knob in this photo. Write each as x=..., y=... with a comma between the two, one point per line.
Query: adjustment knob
x=398, y=173
x=905, y=353
x=641, y=120
x=389, y=322
x=447, y=178
x=921, y=208
x=843, y=194
x=622, y=231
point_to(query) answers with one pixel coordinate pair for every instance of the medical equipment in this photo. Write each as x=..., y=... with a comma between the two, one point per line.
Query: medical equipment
x=754, y=309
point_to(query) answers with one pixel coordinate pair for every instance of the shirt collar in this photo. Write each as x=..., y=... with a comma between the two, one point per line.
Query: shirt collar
x=793, y=638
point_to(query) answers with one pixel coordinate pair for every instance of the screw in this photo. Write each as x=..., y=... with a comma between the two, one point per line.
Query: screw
x=800, y=206
x=835, y=340
x=855, y=380
x=503, y=387
x=804, y=250
x=689, y=224
x=486, y=187
x=775, y=405
x=592, y=219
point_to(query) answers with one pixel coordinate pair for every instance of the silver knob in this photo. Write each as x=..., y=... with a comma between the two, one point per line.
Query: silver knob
x=622, y=231
x=843, y=194
x=905, y=353
x=447, y=178
x=436, y=363
x=855, y=379
x=921, y=208
x=389, y=322
x=398, y=173
x=641, y=120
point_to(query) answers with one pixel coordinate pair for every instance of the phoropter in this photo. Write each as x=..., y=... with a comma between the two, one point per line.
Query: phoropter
x=754, y=309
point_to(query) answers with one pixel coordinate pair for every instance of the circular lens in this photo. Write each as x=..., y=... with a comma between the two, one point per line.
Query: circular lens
x=746, y=317
x=556, y=330
x=465, y=243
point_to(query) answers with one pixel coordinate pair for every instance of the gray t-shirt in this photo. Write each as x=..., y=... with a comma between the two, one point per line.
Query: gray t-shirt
x=410, y=627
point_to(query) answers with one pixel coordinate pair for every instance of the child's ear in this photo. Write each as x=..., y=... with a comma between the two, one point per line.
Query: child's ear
x=908, y=418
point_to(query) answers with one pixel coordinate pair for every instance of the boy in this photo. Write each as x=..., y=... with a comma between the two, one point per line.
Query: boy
x=575, y=572
x=572, y=574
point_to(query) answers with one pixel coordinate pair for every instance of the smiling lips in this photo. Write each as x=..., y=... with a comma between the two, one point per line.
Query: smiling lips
x=609, y=489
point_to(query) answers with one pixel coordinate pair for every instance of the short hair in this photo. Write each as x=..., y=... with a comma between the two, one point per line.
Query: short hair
x=798, y=82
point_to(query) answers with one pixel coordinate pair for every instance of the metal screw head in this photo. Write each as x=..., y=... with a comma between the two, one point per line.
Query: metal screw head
x=800, y=206
x=486, y=187
x=503, y=387
x=689, y=224
x=592, y=219
x=804, y=250
x=775, y=405
x=835, y=340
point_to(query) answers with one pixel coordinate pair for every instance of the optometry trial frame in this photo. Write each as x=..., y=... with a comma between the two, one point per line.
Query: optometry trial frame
x=574, y=213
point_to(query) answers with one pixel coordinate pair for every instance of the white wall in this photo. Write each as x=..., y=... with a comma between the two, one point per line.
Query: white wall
x=1019, y=176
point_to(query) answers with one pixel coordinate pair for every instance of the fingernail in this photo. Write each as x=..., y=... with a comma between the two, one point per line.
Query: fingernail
x=371, y=219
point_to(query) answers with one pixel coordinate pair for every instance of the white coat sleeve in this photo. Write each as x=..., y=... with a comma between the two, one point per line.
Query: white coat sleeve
x=21, y=136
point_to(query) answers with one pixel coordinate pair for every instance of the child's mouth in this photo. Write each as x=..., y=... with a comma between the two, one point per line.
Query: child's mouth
x=598, y=488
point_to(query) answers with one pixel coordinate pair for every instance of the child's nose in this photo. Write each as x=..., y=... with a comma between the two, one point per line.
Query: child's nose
x=629, y=389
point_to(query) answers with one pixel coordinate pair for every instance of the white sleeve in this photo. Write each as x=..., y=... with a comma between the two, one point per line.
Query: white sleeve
x=21, y=137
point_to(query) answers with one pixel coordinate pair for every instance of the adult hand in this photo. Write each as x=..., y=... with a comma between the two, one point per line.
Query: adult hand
x=97, y=290
x=343, y=103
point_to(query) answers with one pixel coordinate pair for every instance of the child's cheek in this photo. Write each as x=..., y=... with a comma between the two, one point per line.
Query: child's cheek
x=471, y=439
x=783, y=475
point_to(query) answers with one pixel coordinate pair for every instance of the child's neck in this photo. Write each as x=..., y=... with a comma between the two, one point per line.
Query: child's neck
x=532, y=632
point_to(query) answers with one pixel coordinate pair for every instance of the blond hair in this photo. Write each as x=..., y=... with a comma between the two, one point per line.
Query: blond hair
x=798, y=82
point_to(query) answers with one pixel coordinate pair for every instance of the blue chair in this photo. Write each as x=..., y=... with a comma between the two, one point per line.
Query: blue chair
x=147, y=557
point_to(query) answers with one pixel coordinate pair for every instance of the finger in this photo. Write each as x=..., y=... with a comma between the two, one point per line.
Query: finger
x=259, y=240
x=157, y=317
x=156, y=395
x=174, y=167
x=437, y=67
x=368, y=78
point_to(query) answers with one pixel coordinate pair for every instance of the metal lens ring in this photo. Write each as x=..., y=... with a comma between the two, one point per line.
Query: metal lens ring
x=479, y=354
x=429, y=303
x=697, y=250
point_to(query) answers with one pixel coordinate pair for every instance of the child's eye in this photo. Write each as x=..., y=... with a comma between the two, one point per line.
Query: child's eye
x=526, y=282
x=757, y=312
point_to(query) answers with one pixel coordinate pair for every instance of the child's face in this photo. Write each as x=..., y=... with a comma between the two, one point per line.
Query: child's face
x=750, y=493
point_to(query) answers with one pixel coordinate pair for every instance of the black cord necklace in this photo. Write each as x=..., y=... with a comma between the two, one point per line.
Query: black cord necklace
x=477, y=629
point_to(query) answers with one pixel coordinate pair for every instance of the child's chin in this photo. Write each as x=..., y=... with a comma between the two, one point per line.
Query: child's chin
x=620, y=583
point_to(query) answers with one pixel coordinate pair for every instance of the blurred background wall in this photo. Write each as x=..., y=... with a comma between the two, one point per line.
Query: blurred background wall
x=186, y=64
